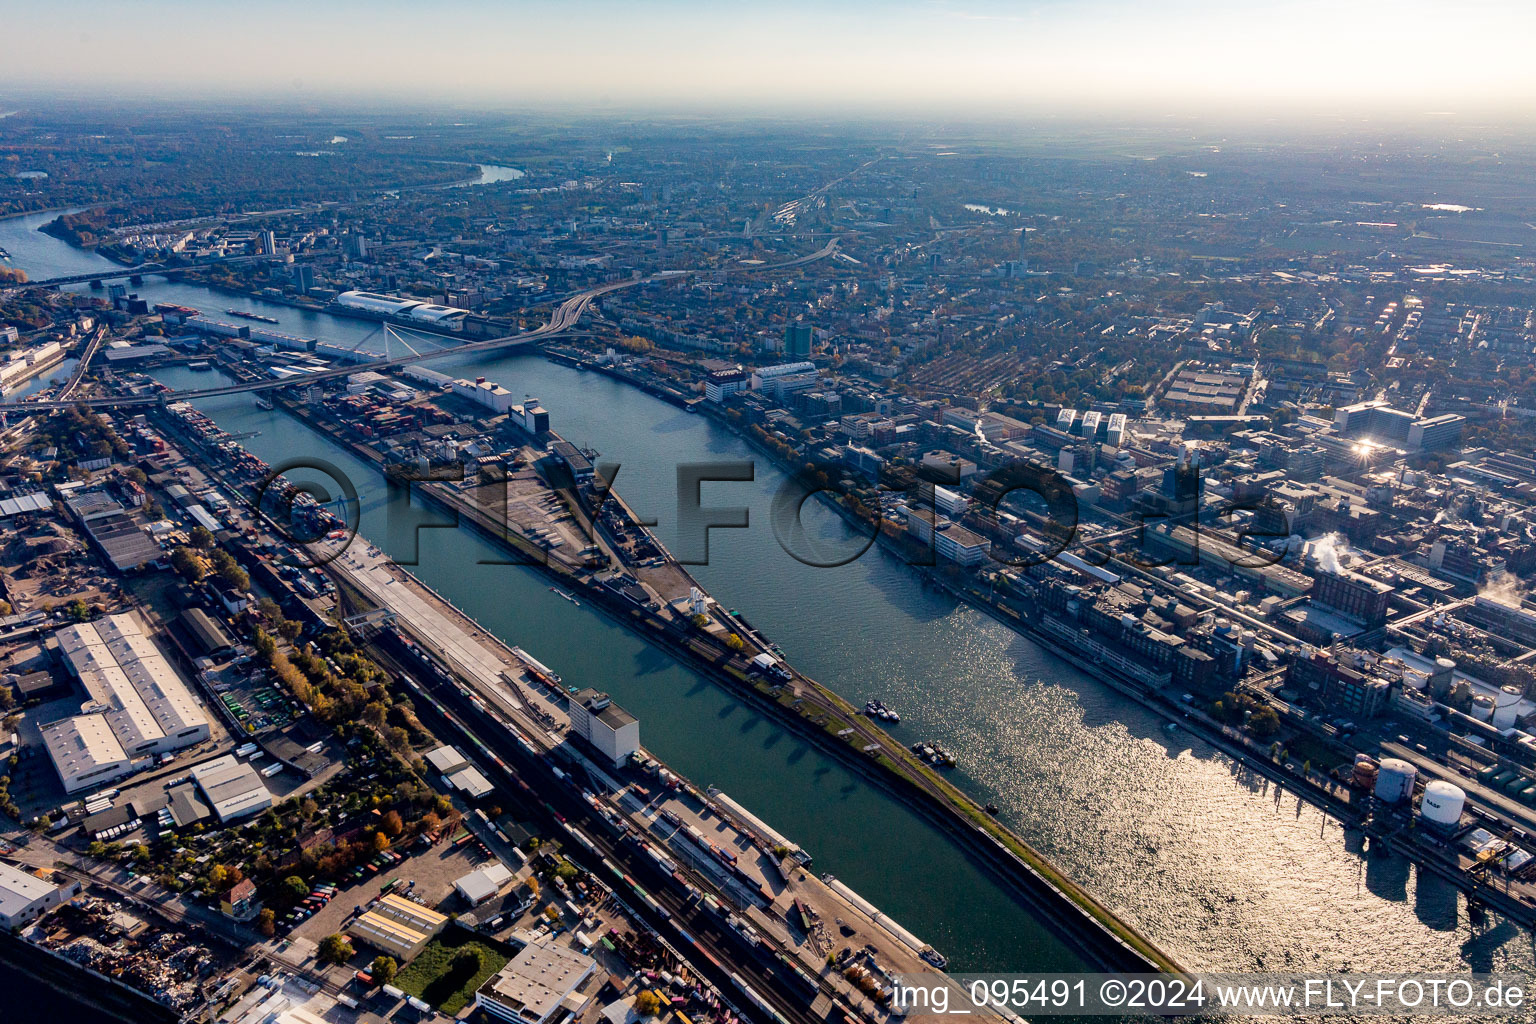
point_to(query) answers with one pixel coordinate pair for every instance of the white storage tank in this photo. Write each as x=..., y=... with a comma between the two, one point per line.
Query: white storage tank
x=1442, y=804
x=1482, y=708
x=1506, y=707
x=1394, y=780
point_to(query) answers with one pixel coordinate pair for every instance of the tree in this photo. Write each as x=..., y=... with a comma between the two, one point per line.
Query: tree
x=383, y=970
x=1264, y=723
x=187, y=564
x=468, y=961
x=229, y=571
x=201, y=538
x=647, y=1003
x=266, y=922
x=374, y=714
x=295, y=888
x=392, y=825
x=735, y=643
x=380, y=842
x=336, y=949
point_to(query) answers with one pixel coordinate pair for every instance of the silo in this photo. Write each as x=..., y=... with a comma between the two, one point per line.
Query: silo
x=1442, y=804
x=1440, y=679
x=1394, y=780
x=1506, y=704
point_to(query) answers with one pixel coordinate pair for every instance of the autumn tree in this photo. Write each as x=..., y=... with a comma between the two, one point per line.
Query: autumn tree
x=383, y=970
x=336, y=949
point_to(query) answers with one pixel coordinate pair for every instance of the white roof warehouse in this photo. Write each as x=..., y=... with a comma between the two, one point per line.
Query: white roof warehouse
x=137, y=704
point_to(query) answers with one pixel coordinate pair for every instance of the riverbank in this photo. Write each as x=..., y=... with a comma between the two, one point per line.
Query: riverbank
x=1092, y=929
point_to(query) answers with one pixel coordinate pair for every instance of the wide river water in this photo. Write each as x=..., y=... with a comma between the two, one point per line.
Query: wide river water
x=1223, y=869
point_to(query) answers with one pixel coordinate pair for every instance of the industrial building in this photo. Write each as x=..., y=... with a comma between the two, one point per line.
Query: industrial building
x=484, y=884
x=85, y=752
x=611, y=730
x=137, y=704
x=24, y=897
x=206, y=632
x=580, y=466
x=470, y=783
x=457, y=772
x=232, y=788
x=397, y=926
x=484, y=392
x=534, y=417
x=538, y=983
x=122, y=542
x=1359, y=597
x=446, y=760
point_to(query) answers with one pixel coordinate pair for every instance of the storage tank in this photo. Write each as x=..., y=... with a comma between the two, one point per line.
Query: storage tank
x=1506, y=707
x=1442, y=804
x=1365, y=772
x=1482, y=708
x=1394, y=780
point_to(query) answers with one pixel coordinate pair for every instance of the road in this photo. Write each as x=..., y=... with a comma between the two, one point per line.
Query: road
x=91, y=348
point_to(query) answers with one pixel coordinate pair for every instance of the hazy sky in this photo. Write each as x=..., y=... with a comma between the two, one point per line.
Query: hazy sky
x=1344, y=56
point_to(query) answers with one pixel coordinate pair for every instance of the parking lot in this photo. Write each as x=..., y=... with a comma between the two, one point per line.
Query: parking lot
x=433, y=870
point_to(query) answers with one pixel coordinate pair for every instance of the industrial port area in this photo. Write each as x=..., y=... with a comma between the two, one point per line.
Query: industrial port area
x=574, y=569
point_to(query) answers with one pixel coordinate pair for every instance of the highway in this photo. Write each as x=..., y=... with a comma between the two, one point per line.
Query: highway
x=91, y=348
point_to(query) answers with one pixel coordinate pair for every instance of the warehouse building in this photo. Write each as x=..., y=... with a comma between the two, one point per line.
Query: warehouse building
x=24, y=897
x=232, y=788
x=206, y=632
x=484, y=884
x=138, y=706
x=470, y=783
x=580, y=466
x=85, y=752
x=397, y=926
x=446, y=760
x=121, y=540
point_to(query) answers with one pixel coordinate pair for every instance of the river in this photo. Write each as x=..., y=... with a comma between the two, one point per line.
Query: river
x=1220, y=867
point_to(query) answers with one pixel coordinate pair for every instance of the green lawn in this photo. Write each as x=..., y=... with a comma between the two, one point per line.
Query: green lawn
x=449, y=970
